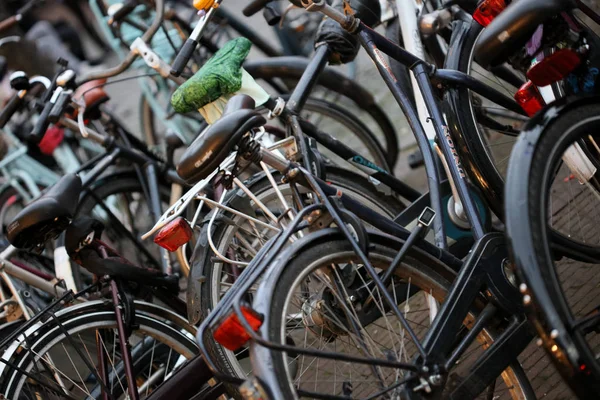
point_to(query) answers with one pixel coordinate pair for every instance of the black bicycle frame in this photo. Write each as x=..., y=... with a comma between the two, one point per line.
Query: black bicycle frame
x=483, y=269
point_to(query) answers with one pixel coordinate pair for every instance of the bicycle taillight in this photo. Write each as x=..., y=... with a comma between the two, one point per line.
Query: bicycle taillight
x=174, y=235
x=488, y=10
x=231, y=334
x=554, y=67
x=529, y=98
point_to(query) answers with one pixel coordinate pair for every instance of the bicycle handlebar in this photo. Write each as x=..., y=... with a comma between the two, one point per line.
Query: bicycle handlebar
x=11, y=107
x=131, y=56
x=255, y=6
x=127, y=7
x=36, y=85
x=41, y=125
x=183, y=57
x=12, y=21
x=188, y=48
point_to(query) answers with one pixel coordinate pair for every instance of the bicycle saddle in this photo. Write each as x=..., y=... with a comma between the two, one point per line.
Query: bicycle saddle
x=83, y=249
x=209, y=149
x=513, y=28
x=219, y=76
x=46, y=217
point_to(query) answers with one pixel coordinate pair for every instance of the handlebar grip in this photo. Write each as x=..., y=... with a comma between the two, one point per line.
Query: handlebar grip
x=41, y=125
x=59, y=107
x=11, y=107
x=254, y=7
x=124, y=11
x=183, y=57
x=9, y=23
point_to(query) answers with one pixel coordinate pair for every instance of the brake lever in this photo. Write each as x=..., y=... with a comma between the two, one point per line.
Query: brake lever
x=347, y=20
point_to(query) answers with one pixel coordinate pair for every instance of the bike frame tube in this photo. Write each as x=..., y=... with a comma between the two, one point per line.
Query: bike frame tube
x=156, y=209
x=373, y=41
x=309, y=79
x=124, y=342
x=433, y=174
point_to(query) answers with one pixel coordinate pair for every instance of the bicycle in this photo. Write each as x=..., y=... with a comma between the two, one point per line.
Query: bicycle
x=30, y=365
x=552, y=175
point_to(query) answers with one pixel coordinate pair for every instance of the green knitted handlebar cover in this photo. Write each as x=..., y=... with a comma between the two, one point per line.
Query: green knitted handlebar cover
x=221, y=75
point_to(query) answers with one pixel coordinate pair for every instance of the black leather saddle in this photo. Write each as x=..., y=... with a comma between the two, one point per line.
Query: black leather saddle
x=46, y=217
x=511, y=29
x=212, y=147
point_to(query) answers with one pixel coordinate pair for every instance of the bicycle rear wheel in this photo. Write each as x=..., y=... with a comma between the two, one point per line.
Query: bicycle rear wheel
x=553, y=226
x=235, y=237
x=316, y=280
x=487, y=131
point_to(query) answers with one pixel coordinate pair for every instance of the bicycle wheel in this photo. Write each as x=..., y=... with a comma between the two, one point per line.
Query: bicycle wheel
x=59, y=357
x=553, y=228
x=235, y=237
x=330, y=118
x=281, y=75
x=306, y=312
x=487, y=131
x=120, y=202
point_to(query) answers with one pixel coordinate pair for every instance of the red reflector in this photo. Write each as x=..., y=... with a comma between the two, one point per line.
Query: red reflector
x=230, y=333
x=530, y=99
x=488, y=10
x=52, y=138
x=554, y=67
x=174, y=235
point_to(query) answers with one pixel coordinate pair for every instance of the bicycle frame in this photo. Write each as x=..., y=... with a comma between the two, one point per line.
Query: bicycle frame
x=483, y=268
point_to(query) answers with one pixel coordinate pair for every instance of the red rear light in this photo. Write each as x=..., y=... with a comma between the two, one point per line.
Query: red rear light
x=230, y=333
x=530, y=99
x=488, y=10
x=52, y=138
x=554, y=67
x=173, y=235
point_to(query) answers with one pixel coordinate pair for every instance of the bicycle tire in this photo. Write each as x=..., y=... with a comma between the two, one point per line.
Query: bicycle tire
x=532, y=171
x=152, y=320
x=204, y=265
x=471, y=145
x=418, y=266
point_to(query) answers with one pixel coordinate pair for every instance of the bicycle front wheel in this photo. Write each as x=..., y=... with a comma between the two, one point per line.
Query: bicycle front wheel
x=60, y=357
x=554, y=231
